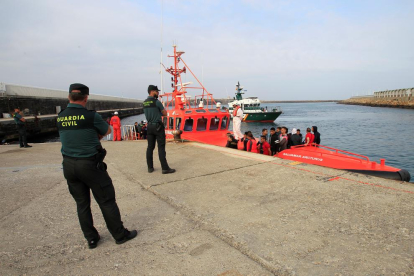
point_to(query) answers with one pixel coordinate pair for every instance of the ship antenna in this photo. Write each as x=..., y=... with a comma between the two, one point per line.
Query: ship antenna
x=202, y=67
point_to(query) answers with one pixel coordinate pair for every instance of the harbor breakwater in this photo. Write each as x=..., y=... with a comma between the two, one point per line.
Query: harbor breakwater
x=40, y=107
x=400, y=102
x=46, y=124
x=400, y=98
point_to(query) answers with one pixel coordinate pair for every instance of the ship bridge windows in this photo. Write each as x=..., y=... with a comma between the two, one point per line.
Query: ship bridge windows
x=201, y=111
x=188, y=125
x=171, y=123
x=224, y=122
x=214, y=123
x=201, y=124
x=188, y=111
x=177, y=123
x=213, y=110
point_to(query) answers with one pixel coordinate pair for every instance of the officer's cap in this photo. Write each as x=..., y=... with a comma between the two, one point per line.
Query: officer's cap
x=84, y=90
x=152, y=88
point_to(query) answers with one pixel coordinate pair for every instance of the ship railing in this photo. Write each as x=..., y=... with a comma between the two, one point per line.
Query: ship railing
x=128, y=132
x=208, y=101
x=347, y=154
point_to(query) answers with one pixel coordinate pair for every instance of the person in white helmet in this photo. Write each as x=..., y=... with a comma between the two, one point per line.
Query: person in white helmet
x=144, y=129
x=237, y=118
x=116, y=124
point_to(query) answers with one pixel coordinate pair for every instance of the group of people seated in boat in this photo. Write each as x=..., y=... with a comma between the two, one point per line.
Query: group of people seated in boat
x=278, y=140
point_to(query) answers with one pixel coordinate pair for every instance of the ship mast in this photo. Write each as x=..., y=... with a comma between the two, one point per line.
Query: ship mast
x=179, y=88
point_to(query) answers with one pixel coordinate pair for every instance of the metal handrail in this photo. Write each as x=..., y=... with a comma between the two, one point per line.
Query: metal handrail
x=128, y=132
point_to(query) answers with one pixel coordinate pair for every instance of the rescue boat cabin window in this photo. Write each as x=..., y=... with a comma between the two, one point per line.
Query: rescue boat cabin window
x=188, y=126
x=171, y=123
x=213, y=110
x=200, y=111
x=201, y=124
x=214, y=123
x=164, y=121
x=224, y=122
x=177, y=123
x=188, y=111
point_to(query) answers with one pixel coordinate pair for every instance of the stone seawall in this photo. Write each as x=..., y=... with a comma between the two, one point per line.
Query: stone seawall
x=44, y=124
x=41, y=106
x=401, y=102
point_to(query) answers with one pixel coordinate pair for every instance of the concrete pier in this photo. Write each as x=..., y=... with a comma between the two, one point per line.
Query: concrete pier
x=224, y=212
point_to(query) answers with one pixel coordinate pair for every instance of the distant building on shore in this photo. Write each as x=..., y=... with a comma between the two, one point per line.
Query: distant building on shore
x=398, y=93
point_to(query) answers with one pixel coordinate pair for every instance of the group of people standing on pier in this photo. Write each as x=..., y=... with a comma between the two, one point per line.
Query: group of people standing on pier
x=278, y=140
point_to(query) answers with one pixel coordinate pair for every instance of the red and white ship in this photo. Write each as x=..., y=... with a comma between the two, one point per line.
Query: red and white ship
x=201, y=119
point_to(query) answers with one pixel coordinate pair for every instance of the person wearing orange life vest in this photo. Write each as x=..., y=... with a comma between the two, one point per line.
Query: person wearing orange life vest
x=251, y=143
x=237, y=118
x=116, y=124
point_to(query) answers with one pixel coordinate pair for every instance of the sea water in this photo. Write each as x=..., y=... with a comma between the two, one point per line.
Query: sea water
x=376, y=132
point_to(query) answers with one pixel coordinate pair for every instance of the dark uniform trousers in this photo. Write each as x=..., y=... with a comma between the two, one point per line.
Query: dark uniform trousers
x=22, y=135
x=156, y=136
x=82, y=176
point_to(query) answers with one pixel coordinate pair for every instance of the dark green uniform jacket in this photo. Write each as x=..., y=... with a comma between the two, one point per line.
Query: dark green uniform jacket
x=79, y=129
x=17, y=117
x=152, y=110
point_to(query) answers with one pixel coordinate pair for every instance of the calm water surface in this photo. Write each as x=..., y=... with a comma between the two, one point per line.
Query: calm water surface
x=377, y=132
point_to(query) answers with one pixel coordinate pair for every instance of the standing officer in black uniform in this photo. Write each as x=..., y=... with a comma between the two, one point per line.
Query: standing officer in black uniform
x=80, y=132
x=153, y=110
x=21, y=126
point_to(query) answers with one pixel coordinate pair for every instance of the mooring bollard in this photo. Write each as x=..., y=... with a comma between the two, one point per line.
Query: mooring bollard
x=177, y=135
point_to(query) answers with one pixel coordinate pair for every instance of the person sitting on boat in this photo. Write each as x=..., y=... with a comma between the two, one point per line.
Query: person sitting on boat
x=309, y=137
x=264, y=147
x=136, y=130
x=273, y=138
x=245, y=139
x=283, y=139
x=289, y=135
x=299, y=133
x=278, y=131
x=296, y=138
x=251, y=144
x=317, y=135
x=264, y=133
x=144, y=130
x=237, y=118
x=231, y=142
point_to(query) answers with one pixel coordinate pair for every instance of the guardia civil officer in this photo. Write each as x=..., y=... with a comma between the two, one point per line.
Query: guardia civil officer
x=80, y=132
x=21, y=126
x=153, y=110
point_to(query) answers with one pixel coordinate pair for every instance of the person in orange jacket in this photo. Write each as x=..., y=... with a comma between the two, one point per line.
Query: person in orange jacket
x=251, y=144
x=116, y=124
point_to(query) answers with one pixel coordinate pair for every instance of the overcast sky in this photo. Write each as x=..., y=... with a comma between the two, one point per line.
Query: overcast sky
x=278, y=50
